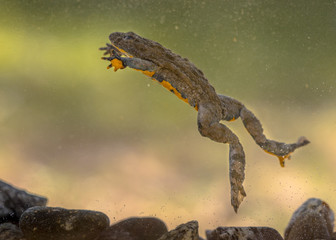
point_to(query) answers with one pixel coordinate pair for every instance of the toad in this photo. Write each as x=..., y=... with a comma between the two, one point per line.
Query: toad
x=188, y=83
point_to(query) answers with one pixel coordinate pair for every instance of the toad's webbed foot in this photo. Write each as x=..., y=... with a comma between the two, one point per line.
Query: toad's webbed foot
x=209, y=126
x=234, y=109
x=282, y=150
x=114, y=58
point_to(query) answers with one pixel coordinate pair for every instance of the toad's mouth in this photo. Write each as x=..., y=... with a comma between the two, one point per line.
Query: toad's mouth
x=111, y=47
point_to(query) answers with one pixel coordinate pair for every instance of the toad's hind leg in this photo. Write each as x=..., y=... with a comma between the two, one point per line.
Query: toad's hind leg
x=280, y=149
x=209, y=126
x=235, y=109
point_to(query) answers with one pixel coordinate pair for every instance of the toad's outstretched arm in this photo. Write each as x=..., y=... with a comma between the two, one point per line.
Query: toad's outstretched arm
x=119, y=62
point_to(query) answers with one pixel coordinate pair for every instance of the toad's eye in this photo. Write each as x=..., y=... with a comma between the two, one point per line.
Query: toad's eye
x=128, y=37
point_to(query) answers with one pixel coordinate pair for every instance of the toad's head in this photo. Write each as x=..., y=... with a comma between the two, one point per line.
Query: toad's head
x=129, y=44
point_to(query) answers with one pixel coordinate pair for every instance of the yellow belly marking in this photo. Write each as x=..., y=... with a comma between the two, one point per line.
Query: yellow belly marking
x=147, y=73
x=169, y=87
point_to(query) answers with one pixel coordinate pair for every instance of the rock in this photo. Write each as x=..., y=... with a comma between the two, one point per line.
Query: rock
x=41, y=223
x=243, y=233
x=13, y=202
x=9, y=231
x=116, y=236
x=187, y=231
x=314, y=219
x=147, y=228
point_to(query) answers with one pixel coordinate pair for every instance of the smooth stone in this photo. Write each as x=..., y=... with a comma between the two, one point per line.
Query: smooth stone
x=146, y=228
x=116, y=236
x=41, y=223
x=243, y=233
x=9, y=231
x=187, y=231
x=314, y=219
x=14, y=201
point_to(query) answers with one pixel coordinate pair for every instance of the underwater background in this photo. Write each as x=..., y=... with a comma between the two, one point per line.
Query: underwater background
x=86, y=137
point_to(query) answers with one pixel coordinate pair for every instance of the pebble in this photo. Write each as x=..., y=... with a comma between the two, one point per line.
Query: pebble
x=314, y=219
x=41, y=223
x=9, y=231
x=243, y=233
x=146, y=228
x=187, y=231
x=14, y=201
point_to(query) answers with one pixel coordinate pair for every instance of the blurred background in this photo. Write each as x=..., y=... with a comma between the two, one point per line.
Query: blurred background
x=87, y=137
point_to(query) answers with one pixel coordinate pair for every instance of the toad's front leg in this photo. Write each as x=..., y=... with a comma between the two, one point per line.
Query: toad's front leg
x=209, y=126
x=120, y=60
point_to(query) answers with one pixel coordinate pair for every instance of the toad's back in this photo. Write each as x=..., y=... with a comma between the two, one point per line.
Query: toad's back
x=177, y=74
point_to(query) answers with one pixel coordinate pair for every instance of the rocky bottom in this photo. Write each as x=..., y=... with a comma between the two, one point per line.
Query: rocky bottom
x=24, y=216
